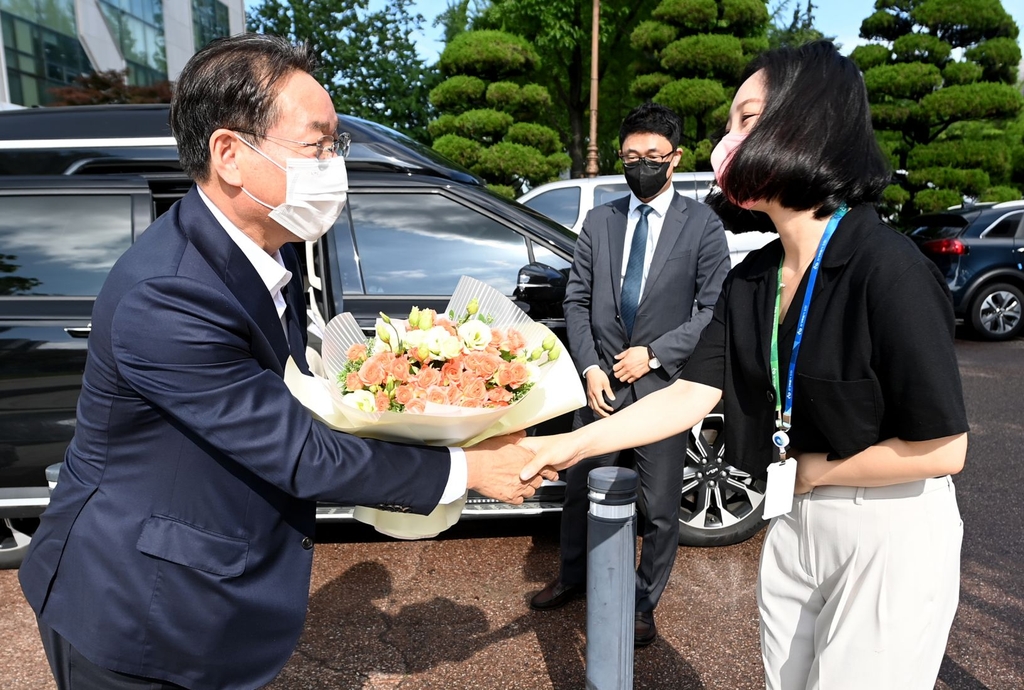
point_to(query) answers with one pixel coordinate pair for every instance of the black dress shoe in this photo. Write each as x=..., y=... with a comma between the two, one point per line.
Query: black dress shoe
x=556, y=595
x=644, y=631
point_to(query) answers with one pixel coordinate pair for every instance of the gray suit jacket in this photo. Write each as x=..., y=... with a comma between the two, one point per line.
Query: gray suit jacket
x=685, y=278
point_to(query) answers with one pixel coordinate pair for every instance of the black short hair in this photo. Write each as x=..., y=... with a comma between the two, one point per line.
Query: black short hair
x=230, y=84
x=652, y=118
x=813, y=146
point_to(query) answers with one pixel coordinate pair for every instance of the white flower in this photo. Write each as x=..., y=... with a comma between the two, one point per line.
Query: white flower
x=434, y=337
x=476, y=334
x=451, y=347
x=534, y=372
x=413, y=339
x=361, y=400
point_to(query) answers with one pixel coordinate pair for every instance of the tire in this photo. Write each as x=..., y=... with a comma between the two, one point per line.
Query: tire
x=15, y=536
x=996, y=312
x=720, y=504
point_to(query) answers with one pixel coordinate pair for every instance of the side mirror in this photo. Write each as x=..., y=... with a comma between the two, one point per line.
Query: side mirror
x=542, y=289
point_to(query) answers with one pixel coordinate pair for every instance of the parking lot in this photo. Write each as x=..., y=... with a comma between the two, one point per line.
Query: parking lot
x=452, y=613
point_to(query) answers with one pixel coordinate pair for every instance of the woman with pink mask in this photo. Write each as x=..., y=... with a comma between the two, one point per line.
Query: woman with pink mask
x=833, y=351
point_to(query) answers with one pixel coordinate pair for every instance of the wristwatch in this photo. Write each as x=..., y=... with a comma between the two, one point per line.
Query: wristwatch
x=652, y=359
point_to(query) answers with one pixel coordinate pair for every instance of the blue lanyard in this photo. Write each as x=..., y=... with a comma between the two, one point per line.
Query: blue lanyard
x=784, y=415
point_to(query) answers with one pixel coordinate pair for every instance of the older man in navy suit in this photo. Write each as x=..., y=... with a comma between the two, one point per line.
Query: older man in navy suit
x=177, y=548
x=647, y=272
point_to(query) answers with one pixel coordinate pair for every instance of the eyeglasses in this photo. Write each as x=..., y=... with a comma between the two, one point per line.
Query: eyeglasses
x=651, y=161
x=335, y=145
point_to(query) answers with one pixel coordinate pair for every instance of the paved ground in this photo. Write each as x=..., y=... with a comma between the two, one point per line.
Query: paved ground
x=451, y=613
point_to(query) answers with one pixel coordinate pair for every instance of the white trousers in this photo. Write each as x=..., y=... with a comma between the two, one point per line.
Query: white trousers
x=858, y=587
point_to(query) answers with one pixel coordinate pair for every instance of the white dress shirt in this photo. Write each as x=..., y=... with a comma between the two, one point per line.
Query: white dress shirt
x=275, y=276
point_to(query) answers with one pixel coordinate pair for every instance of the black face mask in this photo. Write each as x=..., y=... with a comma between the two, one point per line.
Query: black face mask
x=646, y=180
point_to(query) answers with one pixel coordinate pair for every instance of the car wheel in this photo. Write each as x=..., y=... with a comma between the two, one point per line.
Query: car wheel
x=996, y=312
x=720, y=504
x=15, y=536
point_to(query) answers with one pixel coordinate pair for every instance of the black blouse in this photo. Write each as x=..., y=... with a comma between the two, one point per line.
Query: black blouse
x=877, y=359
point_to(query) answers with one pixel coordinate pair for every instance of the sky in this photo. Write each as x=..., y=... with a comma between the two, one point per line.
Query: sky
x=839, y=18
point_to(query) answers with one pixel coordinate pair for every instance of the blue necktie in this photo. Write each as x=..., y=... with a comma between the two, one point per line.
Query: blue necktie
x=630, y=295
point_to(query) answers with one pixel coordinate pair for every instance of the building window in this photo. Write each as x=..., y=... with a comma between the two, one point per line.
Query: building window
x=138, y=28
x=209, y=20
x=41, y=48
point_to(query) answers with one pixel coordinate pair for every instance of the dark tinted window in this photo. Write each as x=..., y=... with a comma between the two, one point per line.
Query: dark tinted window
x=1005, y=227
x=421, y=244
x=61, y=245
x=939, y=227
x=560, y=205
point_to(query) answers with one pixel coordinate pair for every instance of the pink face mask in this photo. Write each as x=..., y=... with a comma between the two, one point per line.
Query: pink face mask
x=722, y=155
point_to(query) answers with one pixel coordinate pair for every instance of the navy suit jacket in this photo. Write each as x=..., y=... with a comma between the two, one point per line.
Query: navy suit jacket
x=684, y=280
x=178, y=542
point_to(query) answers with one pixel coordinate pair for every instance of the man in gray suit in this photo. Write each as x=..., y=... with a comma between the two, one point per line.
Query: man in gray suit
x=647, y=272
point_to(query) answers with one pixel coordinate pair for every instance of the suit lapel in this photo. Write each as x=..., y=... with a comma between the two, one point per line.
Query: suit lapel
x=232, y=266
x=671, y=232
x=616, y=230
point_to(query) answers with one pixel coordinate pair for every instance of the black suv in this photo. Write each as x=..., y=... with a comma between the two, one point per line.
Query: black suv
x=980, y=251
x=77, y=185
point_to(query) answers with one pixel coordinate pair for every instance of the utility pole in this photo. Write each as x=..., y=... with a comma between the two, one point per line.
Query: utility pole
x=592, y=167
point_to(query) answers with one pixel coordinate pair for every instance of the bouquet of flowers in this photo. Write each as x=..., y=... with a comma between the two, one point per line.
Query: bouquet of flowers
x=482, y=369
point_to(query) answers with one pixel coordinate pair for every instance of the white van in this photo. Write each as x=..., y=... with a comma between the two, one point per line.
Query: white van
x=568, y=201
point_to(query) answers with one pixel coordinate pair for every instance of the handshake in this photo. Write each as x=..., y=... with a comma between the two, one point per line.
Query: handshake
x=510, y=468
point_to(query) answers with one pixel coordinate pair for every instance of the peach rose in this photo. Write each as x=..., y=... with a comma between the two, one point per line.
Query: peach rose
x=499, y=394
x=482, y=364
x=516, y=340
x=382, y=400
x=474, y=390
x=519, y=374
x=353, y=382
x=356, y=352
x=427, y=377
x=454, y=394
x=451, y=370
x=400, y=368
x=437, y=395
x=416, y=406
x=403, y=394
x=373, y=371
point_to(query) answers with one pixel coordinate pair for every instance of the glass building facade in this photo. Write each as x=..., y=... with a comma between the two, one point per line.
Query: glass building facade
x=209, y=20
x=44, y=46
x=138, y=29
x=41, y=48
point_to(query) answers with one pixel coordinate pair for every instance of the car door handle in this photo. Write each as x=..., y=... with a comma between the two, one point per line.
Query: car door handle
x=80, y=332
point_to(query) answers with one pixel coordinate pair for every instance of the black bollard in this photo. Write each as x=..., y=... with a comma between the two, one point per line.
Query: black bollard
x=611, y=577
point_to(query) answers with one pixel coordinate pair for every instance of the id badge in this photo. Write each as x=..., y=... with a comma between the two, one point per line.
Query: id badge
x=778, y=495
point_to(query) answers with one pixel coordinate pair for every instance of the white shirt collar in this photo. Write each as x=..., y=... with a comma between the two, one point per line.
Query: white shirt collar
x=269, y=267
x=659, y=203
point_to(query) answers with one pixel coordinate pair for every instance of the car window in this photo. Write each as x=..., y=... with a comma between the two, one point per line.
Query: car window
x=560, y=205
x=61, y=245
x=1005, y=226
x=604, y=193
x=421, y=244
x=542, y=254
x=939, y=227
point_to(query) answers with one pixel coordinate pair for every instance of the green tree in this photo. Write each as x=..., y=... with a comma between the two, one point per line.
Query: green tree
x=693, y=54
x=798, y=31
x=489, y=110
x=12, y=284
x=560, y=31
x=368, y=60
x=941, y=78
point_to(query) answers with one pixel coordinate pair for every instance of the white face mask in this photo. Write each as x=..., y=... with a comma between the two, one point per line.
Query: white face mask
x=316, y=194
